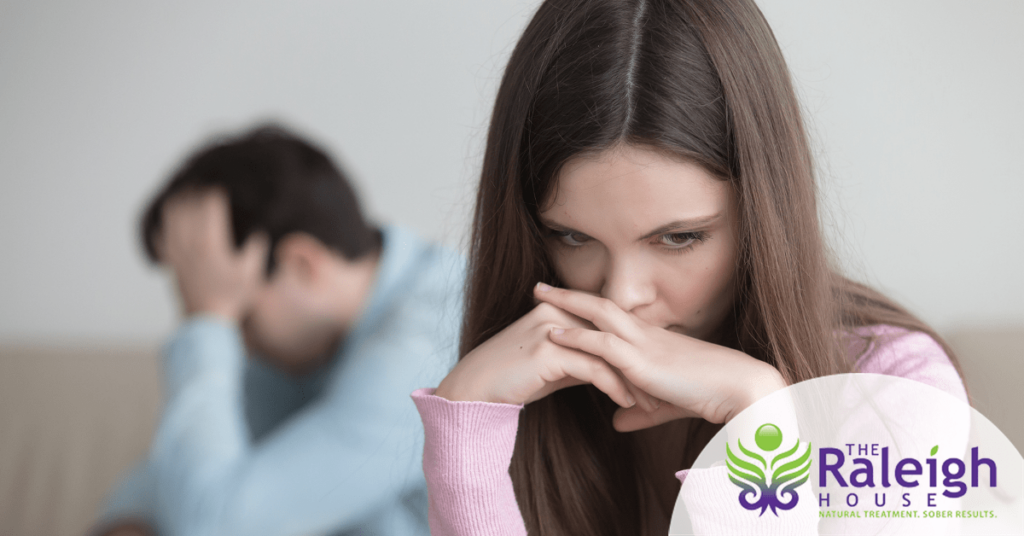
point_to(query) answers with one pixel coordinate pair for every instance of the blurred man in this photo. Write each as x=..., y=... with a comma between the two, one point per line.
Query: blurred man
x=315, y=433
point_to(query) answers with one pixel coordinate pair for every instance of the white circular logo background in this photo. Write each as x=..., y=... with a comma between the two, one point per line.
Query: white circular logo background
x=855, y=454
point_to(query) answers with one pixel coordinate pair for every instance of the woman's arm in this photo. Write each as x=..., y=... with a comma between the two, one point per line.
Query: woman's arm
x=466, y=458
x=908, y=354
x=470, y=420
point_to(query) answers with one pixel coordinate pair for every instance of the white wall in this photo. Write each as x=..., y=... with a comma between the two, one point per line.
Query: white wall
x=917, y=111
x=914, y=104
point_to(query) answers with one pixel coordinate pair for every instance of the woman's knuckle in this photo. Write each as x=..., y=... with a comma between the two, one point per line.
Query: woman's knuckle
x=545, y=326
x=544, y=309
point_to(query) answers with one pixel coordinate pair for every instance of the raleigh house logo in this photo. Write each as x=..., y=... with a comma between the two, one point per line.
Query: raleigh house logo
x=787, y=470
x=773, y=484
x=856, y=454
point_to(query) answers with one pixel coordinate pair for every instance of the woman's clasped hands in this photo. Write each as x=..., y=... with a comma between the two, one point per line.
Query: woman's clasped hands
x=574, y=338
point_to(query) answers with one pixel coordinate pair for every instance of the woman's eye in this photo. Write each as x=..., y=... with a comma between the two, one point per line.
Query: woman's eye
x=571, y=238
x=678, y=240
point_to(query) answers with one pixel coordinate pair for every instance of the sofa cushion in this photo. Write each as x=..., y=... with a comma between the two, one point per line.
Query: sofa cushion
x=72, y=422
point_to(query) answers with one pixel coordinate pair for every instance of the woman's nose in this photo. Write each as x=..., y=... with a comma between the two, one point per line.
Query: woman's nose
x=628, y=284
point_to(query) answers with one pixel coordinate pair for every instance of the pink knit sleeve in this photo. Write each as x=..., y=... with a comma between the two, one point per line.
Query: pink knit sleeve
x=466, y=456
x=908, y=354
x=875, y=349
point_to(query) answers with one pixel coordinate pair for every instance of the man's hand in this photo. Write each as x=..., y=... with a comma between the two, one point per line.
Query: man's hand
x=196, y=242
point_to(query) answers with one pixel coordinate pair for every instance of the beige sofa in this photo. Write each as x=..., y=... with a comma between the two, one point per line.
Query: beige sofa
x=73, y=420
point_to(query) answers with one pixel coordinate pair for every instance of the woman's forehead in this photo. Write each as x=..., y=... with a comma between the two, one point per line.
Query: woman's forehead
x=634, y=187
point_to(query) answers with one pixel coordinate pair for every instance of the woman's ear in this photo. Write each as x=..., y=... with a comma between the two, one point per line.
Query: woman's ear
x=301, y=256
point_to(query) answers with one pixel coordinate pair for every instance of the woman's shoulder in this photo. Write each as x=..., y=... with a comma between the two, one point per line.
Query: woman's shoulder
x=897, y=351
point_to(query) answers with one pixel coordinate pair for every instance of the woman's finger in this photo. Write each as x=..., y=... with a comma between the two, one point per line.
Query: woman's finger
x=599, y=311
x=608, y=346
x=644, y=400
x=635, y=418
x=612, y=349
x=547, y=314
x=595, y=371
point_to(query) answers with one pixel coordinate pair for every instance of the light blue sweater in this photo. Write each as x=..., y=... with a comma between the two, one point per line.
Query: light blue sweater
x=242, y=449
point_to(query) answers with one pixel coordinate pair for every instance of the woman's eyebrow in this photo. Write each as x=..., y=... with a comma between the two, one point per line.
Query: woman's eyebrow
x=556, y=227
x=674, y=226
x=682, y=225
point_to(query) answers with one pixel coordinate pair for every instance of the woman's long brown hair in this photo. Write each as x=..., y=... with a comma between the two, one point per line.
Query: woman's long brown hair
x=701, y=80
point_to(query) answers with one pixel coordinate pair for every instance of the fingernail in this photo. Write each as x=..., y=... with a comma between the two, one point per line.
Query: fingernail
x=630, y=400
x=657, y=403
x=558, y=331
x=543, y=287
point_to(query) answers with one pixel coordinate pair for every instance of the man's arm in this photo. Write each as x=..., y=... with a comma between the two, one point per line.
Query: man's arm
x=329, y=467
x=332, y=465
x=131, y=506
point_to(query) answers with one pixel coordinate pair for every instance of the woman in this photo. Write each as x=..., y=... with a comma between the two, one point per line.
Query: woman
x=647, y=164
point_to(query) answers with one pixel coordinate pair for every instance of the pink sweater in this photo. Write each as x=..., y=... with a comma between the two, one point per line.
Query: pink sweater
x=469, y=445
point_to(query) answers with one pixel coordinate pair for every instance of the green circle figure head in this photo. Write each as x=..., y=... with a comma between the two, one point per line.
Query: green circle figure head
x=768, y=437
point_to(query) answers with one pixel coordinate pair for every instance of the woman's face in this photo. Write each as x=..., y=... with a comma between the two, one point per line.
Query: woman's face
x=655, y=235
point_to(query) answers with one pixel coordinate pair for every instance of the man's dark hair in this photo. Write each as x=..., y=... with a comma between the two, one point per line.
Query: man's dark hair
x=277, y=183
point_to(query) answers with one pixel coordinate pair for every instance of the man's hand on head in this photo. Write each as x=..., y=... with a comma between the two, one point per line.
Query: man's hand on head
x=196, y=242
